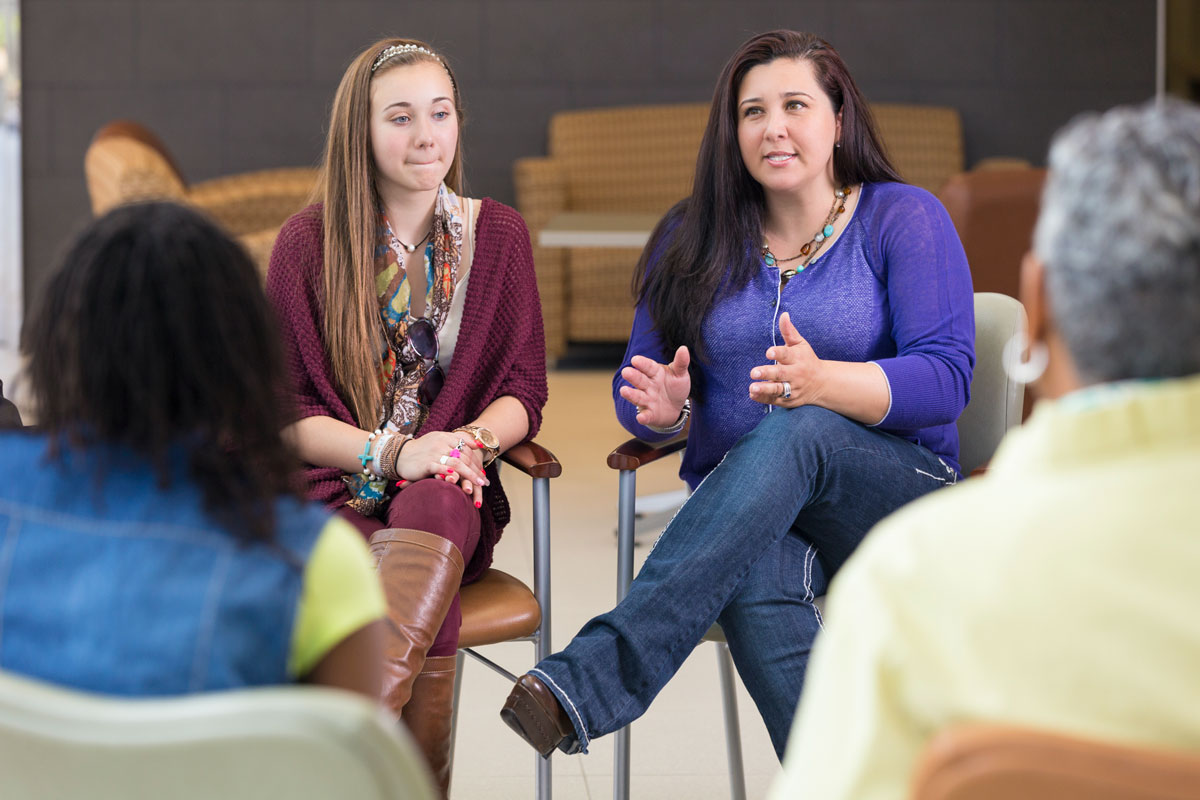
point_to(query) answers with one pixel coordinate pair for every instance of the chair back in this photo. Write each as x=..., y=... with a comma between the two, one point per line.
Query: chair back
x=994, y=212
x=994, y=762
x=628, y=159
x=293, y=742
x=996, y=399
x=126, y=163
x=925, y=143
x=642, y=158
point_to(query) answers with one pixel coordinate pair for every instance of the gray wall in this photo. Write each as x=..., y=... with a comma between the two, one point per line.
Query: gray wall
x=234, y=85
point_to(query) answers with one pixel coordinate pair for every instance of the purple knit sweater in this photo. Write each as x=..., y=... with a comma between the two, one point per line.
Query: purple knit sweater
x=500, y=348
x=894, y=289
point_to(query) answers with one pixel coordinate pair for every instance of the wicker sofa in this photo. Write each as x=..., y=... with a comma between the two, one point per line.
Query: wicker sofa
x=126, y=162
x=641, y=159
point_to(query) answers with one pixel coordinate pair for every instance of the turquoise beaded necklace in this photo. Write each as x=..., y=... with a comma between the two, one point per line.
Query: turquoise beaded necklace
x=814, y=245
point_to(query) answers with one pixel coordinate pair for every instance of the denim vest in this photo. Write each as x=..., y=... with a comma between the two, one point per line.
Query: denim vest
x=115, y=585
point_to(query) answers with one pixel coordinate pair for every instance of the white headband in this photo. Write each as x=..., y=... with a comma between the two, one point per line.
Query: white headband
x=401, y=49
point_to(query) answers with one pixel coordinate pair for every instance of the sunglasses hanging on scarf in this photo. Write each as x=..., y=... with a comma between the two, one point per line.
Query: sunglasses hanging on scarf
x=423, y=337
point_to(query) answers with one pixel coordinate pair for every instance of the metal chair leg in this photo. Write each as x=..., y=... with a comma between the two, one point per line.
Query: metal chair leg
x=541, y=590
x=733, y=730
x=460, y=662
x=626, y=519
x=626, y=500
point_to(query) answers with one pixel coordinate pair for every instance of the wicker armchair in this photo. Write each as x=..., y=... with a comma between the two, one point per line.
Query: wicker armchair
x=126, y=162
x=641, y=159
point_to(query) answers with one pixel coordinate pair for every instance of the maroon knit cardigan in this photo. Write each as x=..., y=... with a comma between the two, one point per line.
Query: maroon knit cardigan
x=500, y=350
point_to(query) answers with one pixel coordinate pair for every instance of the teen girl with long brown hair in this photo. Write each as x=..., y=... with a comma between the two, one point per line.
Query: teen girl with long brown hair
x=414, y=336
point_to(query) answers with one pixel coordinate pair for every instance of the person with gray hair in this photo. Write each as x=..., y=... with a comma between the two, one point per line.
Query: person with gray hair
x=1058, y=591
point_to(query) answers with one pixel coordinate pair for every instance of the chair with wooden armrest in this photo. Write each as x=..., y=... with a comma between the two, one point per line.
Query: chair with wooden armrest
x=627, y=459
x=994, y=408
x=500, y=608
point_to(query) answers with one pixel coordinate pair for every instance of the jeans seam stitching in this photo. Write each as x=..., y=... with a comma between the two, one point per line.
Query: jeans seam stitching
x=572, y=710
x=679, y=640
x=808, y=555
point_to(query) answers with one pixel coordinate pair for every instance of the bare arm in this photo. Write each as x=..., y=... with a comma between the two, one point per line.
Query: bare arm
x=355, y=663
x=327, y=442
x=505, y=417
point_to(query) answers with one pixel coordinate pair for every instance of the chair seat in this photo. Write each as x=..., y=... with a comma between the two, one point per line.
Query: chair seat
x=497, y=608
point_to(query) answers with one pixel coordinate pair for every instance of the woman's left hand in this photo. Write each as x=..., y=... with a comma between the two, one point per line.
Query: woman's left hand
x=438, y=454
x=796, y=379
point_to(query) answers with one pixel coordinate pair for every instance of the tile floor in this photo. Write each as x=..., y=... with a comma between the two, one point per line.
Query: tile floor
x=678, y=747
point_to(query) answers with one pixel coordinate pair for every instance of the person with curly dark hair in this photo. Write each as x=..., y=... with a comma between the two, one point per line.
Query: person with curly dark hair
x=152, y=541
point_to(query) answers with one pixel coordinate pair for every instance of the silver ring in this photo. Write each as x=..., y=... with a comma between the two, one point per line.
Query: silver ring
x=443, y=459
x=461, y=444
x=787, y=390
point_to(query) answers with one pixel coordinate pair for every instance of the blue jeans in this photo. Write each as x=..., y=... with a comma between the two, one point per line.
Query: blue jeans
x=752, y=548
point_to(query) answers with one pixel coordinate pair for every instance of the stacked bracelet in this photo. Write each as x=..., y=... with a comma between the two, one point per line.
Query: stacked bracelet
x=387, y=462
x=684, y=414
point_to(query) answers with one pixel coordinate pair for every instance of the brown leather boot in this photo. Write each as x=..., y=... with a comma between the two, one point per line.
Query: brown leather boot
x=420, y=573
x=535, y=714
x=429, y=716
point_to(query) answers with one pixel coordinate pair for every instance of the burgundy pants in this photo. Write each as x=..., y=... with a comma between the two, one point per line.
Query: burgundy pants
x=437, y=507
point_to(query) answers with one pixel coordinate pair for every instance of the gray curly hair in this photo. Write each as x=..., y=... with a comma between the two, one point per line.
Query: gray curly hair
x=1119, y=233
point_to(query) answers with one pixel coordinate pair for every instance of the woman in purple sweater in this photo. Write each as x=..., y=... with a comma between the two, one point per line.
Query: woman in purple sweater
x=821, y=374
x=414, y=337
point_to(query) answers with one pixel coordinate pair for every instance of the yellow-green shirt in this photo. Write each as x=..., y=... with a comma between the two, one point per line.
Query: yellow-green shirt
x=341, y=594
x=1059, y=591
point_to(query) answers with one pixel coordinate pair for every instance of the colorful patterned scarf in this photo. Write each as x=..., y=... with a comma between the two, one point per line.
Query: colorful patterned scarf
x=403, y=368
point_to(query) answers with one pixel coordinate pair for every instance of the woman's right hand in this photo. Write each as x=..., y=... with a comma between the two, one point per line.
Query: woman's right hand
x=658, y=390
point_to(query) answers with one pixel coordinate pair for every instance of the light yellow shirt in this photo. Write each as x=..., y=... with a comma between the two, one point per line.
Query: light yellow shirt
x=341, y=594
x=1060, y=591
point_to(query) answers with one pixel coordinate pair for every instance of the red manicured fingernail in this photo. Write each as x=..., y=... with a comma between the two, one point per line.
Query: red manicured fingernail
x=478, y=504
x=402, y=482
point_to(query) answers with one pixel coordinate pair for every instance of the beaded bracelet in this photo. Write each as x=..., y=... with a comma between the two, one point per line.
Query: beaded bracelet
x=366, y=458
x=376, y=466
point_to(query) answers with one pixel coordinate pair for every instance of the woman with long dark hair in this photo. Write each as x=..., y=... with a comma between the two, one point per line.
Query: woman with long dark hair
x=812, y=318
x=152, y=540
x=413, y=330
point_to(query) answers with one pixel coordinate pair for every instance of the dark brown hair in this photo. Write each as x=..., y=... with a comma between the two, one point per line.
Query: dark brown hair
x=154, y=334
x=706, y=242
